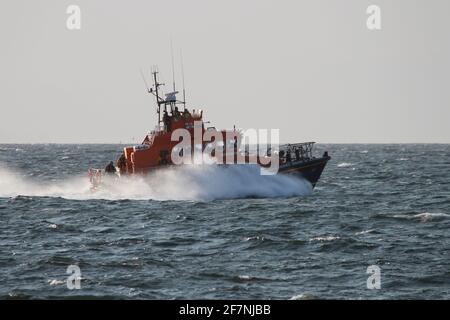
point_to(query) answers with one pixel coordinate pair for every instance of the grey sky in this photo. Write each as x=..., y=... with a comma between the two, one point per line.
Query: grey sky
x=310, y=68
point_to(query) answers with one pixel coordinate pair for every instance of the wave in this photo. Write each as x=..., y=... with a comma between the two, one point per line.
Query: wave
x=344, y=165
x=424, y=217
x=364, y=232
x=304, y=296
x=325, y=239
x=201, y=183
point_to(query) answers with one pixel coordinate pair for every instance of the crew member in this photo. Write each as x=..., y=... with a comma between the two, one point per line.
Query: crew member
x=121, y=163
x=186, y=114
x=166, y=120
x=297, y=154
x=288, y=156
x=110, y=169
x=176, y=113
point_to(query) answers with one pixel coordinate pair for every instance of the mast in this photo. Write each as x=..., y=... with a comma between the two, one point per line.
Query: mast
x=157, y=95
x=170, y=99
x=182, y=76
x=173, y=65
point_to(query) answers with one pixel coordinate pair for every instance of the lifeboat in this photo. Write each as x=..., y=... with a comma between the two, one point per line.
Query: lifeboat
x=182, y=137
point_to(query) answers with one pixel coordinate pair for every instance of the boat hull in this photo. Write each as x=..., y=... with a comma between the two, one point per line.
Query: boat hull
x=310, y=170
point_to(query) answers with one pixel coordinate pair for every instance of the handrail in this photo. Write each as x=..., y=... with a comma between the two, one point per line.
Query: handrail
x=296, y=151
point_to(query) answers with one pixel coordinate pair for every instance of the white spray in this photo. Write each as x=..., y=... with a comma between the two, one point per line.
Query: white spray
x=192, y=182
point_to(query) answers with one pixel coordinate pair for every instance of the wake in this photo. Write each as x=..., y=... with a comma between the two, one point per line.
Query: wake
x=199, y=183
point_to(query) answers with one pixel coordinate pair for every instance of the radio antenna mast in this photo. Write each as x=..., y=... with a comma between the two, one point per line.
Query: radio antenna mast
x=182, y=76
x=145, y=81
x=173, y=65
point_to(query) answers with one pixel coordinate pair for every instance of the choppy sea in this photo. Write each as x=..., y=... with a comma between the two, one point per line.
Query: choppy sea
x=209, y=233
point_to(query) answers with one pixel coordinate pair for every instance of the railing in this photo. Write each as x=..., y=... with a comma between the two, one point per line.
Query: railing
x=296, y=152
x=159, y=129
x=95, y=177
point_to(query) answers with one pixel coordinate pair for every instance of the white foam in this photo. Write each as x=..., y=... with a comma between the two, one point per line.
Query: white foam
x=424, y=217
x=325, y=239
x=176, y=183
x=303, y=296
x=344, y=165
x=364, y=232
x=55, y=282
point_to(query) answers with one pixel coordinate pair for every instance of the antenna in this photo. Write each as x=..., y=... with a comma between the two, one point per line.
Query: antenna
x=173, y=65
x=182, y=76
x=149, y=90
